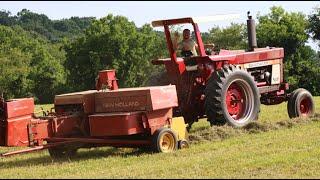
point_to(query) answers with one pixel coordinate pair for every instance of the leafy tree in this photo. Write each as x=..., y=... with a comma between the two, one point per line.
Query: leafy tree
x=232, y=37
x=314, y=24
x=72, y=27
x=29, y=66
x=13, y=64
x=282, y=29
x=289, y=30
x=6, y=18
x=47, y=73
x=54, y=30
x=304, y=70
x=113, y=42
x=39, y=23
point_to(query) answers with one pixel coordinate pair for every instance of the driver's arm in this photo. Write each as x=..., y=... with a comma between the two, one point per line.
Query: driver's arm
x=196, y=47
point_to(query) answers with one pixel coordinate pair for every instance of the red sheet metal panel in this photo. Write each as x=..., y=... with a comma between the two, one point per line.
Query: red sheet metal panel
x=259, y=55
x=17, y=131
x=40, y=129
x=136, y=99
x=66, y=125
x=85, y=98
x=19, y=114
x=115, y=124
x=107, y=78
x=159, y=118
x=19, y=107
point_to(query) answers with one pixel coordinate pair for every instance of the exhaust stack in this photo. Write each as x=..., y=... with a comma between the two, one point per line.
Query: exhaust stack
x=251, y=27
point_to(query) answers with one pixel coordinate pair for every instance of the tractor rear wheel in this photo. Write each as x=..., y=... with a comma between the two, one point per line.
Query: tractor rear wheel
x=300, y=104
x=231, y=97
x=165, y=140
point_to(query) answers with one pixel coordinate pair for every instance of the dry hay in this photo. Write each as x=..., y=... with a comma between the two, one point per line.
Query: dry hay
x=218, y=133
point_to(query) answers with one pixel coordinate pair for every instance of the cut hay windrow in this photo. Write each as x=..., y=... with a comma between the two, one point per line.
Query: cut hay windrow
x=218, y=133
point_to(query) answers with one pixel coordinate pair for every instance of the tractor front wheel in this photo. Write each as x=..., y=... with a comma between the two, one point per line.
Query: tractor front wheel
x=231, y=97
x=300, y=104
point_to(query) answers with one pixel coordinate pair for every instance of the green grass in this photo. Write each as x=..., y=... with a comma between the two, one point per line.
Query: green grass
x=43, y=107
x=290, y=149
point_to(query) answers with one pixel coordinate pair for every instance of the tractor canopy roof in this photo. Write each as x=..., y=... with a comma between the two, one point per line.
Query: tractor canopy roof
x=200, y=19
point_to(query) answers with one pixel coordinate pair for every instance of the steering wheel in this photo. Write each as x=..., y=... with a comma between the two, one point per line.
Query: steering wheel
x=186, y=53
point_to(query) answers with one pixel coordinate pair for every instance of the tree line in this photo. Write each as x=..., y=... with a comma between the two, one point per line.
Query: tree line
x=40, y=57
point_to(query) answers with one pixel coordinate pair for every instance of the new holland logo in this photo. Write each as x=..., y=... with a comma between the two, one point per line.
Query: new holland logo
x=122, y=104
x=20, y=108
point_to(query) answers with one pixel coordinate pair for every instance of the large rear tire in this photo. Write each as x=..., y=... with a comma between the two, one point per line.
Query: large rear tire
x=231, y=97
x=300, y=104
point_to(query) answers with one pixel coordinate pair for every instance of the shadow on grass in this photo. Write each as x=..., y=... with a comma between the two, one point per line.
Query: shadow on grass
x=94, y=153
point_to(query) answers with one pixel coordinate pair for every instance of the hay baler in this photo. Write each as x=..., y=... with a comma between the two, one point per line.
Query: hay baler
x=108, y=116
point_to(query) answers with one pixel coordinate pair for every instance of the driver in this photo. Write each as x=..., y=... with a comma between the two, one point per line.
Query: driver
x=187, y=45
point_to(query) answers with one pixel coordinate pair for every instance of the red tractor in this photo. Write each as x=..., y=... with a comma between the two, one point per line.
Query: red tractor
x=229, y=86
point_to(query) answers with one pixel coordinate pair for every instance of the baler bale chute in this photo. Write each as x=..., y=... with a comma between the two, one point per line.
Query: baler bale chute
x=225, y=87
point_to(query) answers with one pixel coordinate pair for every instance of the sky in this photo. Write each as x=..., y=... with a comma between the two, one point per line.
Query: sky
x=141, y=12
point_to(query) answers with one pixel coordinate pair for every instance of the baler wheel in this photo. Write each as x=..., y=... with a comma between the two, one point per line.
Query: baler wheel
x=62, y=152
x=182, y=144
x=165, y=140
x=300, y=104
x=231, y=97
